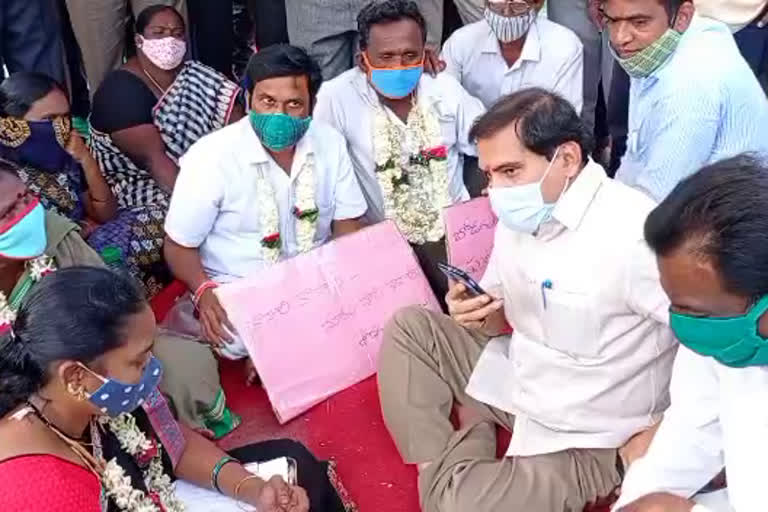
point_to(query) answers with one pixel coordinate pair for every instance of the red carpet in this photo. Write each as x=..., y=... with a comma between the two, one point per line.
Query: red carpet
x=347, y=428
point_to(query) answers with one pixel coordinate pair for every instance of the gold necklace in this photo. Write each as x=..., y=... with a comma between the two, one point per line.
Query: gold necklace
x=154, y=82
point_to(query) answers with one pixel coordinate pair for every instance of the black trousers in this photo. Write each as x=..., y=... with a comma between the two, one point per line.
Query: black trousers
x=429, y=255
x=312, y=474
x=30, y=37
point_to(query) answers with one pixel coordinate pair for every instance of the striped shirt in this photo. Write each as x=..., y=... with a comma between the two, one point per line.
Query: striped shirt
x=702, y=106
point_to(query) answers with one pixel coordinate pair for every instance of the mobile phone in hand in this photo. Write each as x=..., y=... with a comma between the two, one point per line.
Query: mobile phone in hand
x=458, y=275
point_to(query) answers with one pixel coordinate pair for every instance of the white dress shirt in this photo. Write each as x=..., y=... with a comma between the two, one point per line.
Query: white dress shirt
x=589, y=361
x=214, y=204
x=552, y=58
x=718, y=418
x=347, y=103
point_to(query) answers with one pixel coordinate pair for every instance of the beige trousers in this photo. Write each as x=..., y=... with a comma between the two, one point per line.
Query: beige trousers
x=100, y=27
x=424, y=367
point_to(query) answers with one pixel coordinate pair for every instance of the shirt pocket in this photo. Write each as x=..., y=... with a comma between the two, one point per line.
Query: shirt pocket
x=448, y=122
x=570, y=326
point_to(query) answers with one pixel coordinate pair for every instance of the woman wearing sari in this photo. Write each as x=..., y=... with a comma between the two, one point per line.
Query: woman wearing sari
x=84, y=429
x=149, y=112
x=34, y=242
x=36, y=135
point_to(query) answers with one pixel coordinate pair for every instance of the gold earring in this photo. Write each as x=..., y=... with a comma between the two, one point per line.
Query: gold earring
x=78, y=393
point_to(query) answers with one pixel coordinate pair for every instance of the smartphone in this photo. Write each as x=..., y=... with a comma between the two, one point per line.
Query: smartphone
x=458, y=275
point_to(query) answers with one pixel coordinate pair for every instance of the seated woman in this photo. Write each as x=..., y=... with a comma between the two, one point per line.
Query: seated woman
x=36, y=134
x=34, y=242
x=83, y=427
x=146, y=114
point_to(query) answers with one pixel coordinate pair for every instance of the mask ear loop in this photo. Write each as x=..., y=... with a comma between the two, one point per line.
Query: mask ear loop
x=102, y=379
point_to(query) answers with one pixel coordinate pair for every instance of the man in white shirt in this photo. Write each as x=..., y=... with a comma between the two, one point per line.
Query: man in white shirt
x=266, y=188
x=708, y=236
x=406, y=131
x=514, y=48
x=588, y=364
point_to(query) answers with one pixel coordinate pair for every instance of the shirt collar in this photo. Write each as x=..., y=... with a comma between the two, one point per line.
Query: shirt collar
x=573, y=206
x=531, y=46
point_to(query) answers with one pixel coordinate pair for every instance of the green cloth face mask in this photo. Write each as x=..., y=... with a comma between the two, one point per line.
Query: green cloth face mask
x=733, y=341
x=646, y=61
x=279, y=132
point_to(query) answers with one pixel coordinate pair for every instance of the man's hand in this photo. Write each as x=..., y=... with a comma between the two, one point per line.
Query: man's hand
x=472, y=312
x=637, y=446
x=432, y=63
x=659, y=502
x=214, y=321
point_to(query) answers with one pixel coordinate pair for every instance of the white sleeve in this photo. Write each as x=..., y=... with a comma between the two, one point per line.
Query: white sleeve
x=687, y=451
x=491, y=281
x=570, y=80
x=196, y=198
x=745, y=434
x=470, y=108
x=645, y=295
x=451, y=59
x=348, y=196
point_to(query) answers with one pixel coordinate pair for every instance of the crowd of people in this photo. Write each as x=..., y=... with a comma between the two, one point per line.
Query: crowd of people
x=621, y=144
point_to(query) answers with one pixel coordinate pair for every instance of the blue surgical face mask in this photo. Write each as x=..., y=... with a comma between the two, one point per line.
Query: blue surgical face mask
x=522, y=207
x=24, y=237
x=114, y=398
x=396, y=82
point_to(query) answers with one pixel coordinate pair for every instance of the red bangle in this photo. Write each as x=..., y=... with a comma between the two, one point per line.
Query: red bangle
x=208, y=285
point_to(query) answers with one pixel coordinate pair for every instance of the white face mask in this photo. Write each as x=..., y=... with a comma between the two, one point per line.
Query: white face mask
x=508, y=29
x=166, y=53
x=522, y=207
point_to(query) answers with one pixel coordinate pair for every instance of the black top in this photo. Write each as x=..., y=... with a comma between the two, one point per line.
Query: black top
x=122, y=101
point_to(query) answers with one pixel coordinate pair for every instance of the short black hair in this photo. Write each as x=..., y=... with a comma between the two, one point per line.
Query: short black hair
x=720, y=213
x=20, y=90
x=283, y=60
x=387, y=11
x=75, y=313
x=544, y=121
x=145, y=17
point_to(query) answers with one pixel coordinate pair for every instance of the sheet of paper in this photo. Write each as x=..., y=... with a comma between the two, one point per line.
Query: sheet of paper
x=313, y=324
x=469, y=232
x=197, y=499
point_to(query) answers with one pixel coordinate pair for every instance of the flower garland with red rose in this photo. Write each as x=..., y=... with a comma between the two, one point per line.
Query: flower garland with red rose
x=304, y=212
x=412, y=171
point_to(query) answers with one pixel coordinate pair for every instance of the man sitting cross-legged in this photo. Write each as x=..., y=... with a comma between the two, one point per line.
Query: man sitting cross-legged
x=588, y=365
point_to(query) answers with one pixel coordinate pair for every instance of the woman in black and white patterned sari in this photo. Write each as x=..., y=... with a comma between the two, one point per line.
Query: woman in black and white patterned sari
x=148, y=113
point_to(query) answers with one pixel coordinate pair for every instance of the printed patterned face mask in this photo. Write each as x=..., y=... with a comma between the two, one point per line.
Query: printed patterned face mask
x=166, y=53
x=114, y=398
x=508, y=29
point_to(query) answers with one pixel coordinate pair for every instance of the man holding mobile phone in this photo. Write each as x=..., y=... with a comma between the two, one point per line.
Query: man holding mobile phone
x=588, y=365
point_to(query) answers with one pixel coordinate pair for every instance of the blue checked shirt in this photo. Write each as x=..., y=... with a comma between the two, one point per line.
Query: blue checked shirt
x=702, y=106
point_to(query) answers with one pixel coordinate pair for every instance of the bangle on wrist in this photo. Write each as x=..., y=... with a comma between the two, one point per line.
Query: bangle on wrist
x=207, y=285
x=217, y=469
x=240, y=485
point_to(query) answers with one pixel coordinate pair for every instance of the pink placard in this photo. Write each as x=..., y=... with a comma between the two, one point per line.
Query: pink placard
x=313, y=324
x=469, y=231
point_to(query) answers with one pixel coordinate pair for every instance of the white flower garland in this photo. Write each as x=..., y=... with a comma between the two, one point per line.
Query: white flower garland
x=117, y=485
x=304, y=210
x=38, y=268
x=412, y=170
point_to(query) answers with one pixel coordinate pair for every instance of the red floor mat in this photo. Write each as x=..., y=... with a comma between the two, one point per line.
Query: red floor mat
x=347, y=428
